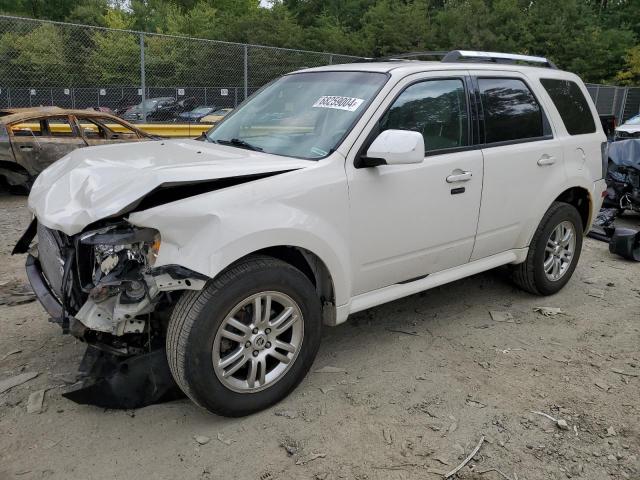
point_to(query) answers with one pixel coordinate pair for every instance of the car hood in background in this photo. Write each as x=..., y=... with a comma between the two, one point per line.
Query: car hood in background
x=94, y=183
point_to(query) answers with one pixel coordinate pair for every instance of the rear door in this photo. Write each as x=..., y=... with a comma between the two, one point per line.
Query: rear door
x=39, y=142
x=105, y=130
x=523, y=161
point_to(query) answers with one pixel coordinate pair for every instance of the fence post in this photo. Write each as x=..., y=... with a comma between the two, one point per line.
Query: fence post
x=246, y=70
x=142, y=80
x=623, y=104
x=330, y=59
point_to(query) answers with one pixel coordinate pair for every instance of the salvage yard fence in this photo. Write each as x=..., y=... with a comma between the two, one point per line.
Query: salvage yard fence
x=44, y=63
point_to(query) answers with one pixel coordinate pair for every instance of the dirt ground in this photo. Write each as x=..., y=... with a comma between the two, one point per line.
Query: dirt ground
x=424, y=379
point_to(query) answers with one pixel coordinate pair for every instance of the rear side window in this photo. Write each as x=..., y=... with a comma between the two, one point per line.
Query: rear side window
x=435, y=108
x=571, y=104
x=511, y=112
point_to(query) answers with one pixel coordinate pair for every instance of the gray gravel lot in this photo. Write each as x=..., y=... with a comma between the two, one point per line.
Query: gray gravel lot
x=425, y=377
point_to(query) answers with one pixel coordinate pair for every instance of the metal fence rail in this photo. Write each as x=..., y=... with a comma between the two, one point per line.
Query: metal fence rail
x=45, y=63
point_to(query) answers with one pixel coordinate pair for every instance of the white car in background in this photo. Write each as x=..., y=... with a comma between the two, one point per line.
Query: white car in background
x=629, y=129
x=329, y=191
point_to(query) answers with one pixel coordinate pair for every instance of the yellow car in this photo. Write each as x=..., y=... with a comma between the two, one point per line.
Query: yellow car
x=216, y=116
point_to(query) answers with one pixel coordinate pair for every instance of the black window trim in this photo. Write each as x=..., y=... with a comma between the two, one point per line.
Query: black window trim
x=472, y=115
x=481, y=119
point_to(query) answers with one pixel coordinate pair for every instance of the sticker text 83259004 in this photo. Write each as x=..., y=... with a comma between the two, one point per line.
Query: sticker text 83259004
x=341, y=103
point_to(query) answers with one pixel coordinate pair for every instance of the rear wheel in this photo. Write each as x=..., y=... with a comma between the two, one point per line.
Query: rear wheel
x=247, y=339
x=553, y=253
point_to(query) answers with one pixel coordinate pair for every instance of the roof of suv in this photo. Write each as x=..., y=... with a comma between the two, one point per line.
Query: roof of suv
x=406, y=67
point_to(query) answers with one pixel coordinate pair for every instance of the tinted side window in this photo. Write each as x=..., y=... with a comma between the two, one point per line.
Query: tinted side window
x=435, y=108
x=571, y=104
x=511, y=112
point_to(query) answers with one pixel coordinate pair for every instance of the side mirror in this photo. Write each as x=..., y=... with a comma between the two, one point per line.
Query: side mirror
x=394, y=147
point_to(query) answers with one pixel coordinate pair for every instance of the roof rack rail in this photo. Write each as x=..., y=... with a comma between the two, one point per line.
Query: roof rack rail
x=496, y=57
x=410, y=55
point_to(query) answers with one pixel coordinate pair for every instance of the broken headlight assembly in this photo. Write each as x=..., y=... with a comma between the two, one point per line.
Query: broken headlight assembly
x=120, y=254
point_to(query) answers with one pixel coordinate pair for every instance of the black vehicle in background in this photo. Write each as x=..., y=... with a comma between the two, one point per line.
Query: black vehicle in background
x=160, y=109
x=623, y=176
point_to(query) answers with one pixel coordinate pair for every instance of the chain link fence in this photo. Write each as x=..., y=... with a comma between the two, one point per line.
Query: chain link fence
x=77, y=66
x=46, y=63
x=622, y=102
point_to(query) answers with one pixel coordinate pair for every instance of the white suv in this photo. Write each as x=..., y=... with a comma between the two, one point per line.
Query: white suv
x=329, y=191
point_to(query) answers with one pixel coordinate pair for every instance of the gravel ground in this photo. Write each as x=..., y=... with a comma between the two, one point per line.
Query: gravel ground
x=424, y=379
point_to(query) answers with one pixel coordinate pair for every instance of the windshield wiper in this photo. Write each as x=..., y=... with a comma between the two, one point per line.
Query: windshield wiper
x=236, y=142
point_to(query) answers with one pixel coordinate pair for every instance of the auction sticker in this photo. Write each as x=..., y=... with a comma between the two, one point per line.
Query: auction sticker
x=341, y=103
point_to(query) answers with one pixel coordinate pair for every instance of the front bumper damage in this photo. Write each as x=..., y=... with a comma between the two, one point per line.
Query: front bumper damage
x=121, y=313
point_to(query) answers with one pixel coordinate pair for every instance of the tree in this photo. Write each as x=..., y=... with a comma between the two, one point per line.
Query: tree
x=630, y=74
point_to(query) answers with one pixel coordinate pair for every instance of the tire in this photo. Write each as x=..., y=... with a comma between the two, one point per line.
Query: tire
x=200, y=324
x=531, y=275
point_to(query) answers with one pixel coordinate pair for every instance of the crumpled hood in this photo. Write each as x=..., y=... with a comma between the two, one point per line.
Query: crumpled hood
x=93, y=183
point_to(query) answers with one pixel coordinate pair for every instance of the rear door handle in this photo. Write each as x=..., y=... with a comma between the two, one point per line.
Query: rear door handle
x=546, y=160
x=459, y=176
x=26, y=147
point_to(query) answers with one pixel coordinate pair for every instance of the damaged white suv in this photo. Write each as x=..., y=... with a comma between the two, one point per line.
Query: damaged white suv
x=329, y=191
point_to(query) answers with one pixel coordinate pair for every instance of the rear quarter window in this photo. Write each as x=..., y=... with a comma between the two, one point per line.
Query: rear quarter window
x=571, y=104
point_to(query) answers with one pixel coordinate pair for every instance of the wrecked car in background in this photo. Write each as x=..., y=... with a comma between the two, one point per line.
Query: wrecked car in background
x=31, y=139
x=629, y=129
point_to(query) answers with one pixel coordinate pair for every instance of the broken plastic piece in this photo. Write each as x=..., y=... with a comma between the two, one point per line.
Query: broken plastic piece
x=112, y=382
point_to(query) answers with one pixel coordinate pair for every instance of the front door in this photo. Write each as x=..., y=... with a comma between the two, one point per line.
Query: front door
x=408, y=221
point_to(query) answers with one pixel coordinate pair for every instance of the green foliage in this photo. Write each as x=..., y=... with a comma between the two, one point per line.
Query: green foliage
x=597, y=39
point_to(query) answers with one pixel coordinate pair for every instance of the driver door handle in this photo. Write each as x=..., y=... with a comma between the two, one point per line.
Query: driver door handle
x=546, y=160
x=459, y=176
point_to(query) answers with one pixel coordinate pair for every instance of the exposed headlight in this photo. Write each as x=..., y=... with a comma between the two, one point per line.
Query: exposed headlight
x=122, y=248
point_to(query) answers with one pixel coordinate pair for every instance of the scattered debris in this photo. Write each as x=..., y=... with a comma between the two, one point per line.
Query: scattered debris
x=394, y=330
x=291, y=446
x=7, y=355
x=475, y=403
x=329, y=369
x=503, y=475
x=596, y=294
x=9, y=383
x=466, y=460
x=310, y=458
x=548, y=311
x=501, y=316
x=15, y=292
x=560, y=423
x=622, y=372
x=326, y=389
x=36, y=401
x=201, y=439
x=286, y=413
x=611, y=432
x=602, y=386
x=387, y=435
x=224, y=440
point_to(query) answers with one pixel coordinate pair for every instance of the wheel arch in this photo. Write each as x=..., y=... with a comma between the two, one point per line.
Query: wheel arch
x=581, y=199
x=314, y=268
x=14, y=174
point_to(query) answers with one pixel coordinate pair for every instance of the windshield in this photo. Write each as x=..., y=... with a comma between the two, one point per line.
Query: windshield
x=304, y=115
x=202, y=110
x=633, y=120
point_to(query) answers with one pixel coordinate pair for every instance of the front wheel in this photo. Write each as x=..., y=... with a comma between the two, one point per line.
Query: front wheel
x=247, y=339
x=553, y=253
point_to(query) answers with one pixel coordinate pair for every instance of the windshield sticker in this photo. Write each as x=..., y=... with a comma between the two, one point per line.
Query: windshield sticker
x=341, y=103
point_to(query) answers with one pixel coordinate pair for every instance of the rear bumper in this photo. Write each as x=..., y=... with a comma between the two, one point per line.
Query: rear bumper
x=41, y=288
